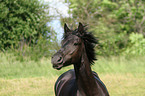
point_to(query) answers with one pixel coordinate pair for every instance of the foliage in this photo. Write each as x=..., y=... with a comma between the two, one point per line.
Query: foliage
x=22, y=21
x=111, y=20
x=136, y=45
x=24, y=30
x=112, y=46
x=43, y=48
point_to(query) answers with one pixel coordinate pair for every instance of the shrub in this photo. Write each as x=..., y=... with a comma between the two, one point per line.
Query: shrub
x=136, y=45
x=22, y=21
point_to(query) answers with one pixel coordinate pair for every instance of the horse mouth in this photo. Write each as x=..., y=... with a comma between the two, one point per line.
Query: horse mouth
x=58, y=67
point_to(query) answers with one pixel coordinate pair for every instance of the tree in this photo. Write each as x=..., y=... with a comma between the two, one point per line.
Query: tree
x=23, y=22
x=110, y=20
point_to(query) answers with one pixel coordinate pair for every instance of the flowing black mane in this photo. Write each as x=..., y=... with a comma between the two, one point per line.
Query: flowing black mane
x=89, y=40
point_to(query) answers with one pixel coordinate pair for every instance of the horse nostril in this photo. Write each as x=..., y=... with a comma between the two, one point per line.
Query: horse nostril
x=59, y=60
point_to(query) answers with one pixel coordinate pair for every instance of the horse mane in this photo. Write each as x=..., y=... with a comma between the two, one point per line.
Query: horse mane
x=89, y=41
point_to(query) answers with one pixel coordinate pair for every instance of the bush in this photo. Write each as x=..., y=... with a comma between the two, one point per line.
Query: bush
x=24, y=31
x=22, y=21
x=136, y=45
x=114, y=45
x=111, y=20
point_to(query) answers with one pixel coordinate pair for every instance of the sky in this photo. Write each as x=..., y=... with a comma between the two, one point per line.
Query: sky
x=63, y=10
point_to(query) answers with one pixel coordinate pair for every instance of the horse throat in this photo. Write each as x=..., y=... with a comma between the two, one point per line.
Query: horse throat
x=87, y=85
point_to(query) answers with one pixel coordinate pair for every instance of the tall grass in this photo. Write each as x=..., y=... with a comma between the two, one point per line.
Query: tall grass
x=11, y=68
x=120, y=64
x=123, y=76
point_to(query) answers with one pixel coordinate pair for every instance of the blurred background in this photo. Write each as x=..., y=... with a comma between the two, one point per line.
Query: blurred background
x=31, y=32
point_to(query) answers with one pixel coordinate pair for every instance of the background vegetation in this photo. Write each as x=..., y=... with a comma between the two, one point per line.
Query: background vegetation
x=24, y=28
x=27, y=43
x=113, y=22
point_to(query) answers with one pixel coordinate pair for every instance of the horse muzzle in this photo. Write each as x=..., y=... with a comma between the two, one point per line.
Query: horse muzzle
x=57, y=61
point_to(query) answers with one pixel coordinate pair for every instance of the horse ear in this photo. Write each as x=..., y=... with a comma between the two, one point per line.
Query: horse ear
x=80, y=28
x=66, y=29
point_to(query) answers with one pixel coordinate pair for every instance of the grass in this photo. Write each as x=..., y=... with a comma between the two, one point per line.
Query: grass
x=117, y=84
x=123, y=76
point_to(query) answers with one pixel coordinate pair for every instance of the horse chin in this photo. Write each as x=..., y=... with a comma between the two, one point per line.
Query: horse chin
x=58, y=67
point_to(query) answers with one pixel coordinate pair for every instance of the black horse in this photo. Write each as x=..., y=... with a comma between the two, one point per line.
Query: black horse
x=77, y=49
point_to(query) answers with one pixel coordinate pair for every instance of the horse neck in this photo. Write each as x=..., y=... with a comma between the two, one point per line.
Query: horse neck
x=84, y=77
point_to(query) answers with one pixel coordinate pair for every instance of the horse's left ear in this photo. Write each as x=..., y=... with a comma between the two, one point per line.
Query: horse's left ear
x=66, y=29
x=80, y=28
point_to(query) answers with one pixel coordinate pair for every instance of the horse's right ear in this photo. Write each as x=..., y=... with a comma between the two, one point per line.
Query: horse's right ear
x=66, y=29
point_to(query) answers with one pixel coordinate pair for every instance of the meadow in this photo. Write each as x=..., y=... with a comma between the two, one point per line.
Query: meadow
x=123, y=76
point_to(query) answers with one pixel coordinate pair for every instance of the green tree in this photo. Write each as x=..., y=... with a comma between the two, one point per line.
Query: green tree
x=24, y=29
x=136, y=45
x=110, y=20
x=23, y=22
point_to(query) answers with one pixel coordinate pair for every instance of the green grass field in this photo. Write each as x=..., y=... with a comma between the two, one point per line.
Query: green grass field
x=123, y=76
